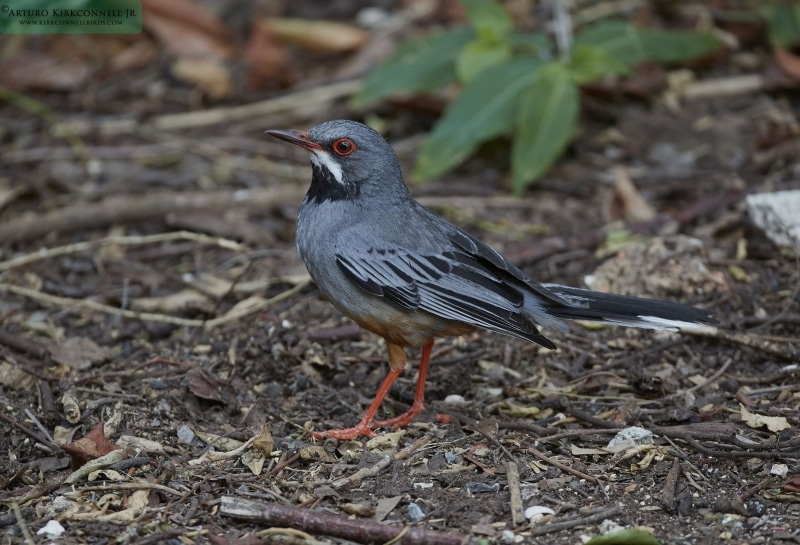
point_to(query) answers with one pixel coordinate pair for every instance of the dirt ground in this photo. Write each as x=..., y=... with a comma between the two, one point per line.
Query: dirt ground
x=150, y=283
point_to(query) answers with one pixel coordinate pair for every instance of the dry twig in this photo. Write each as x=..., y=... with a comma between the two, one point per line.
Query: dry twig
x=136, y=208
x=361, y=531
x=381, y=464
x=563, y=467
x=202, y=118
x=133, y=240
x=67, y=302
x=584, y=519
x=517, y=511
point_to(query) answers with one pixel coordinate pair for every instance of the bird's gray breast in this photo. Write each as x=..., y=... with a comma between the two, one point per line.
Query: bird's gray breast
x=322, y=233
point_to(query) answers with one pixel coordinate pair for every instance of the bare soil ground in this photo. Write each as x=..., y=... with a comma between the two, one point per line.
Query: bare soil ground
x=177, y=313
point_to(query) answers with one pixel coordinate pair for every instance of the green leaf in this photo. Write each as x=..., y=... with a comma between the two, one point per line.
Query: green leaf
x=479, y=55
x=589, y=63
x=536, y=43
x=547, y=117
x=419, y=65
x=617, y=38
x=628, y=536
x=783, y=25
x=672, y=46
x=631, y=45
x=489, y=18
x=485, y=109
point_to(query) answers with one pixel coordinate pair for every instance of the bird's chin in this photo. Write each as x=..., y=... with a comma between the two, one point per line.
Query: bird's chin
x=298, y=138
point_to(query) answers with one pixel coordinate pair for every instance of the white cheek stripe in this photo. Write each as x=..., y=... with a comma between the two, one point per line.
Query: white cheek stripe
x=322, y=160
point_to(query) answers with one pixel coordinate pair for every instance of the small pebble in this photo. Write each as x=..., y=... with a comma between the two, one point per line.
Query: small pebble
x=185, y=434
x=415, y=513
x=52, y=529
x=781, y=470
x=637, y=436
x=454, y=399
x=507, y=536
x=481, y=488
x=538, y=511
x=756, y=508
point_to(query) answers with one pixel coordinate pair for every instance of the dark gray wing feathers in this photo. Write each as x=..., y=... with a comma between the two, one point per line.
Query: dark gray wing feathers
x=452, y=285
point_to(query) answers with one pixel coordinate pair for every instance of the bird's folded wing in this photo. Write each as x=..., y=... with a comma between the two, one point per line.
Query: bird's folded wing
x=451, y=285
x=488, y=257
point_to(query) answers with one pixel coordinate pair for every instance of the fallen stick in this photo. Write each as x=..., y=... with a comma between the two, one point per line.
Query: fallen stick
x=517, y=510
x=227, y=114
x=132, y=208
x=361, y=531
x=563, y=467
x=593, y=517
x=232, y=315
x=381, y=464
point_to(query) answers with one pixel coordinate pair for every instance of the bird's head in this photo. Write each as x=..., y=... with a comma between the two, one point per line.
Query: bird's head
x=348, y=160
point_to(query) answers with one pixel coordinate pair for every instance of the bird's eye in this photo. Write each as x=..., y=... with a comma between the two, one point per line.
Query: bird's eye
x=344, y=147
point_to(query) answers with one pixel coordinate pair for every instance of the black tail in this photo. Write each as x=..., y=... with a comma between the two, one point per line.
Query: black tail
x=624, y=310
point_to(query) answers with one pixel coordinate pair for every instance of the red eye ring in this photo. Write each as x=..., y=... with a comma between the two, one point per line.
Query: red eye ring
x=344, y=147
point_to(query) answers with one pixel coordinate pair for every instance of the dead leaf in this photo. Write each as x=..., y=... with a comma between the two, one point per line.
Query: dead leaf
x=207, y=386
x=789, y=62
x=133, y=443
x=104, y=461
x=211, y=456
x=315, y=453
x=78, y=352
x=358, y=509
x=626, y=202
x=106, y=475
x=209, y=76
x=792, y=485
x=92, y=445
x=136, y=56
x=213, y=286
x=10, y=194
x=384, y=441
x=772, y=423
x=36, y=71
x=317, y=35
x=136, y=503
x=15, y=378
x=174, y=302
x=219, y=442
x=253, y=460
x=582, y=451
x=72, y=407
x=268, y=59
x=187, y=29
x=386, y=506
x=264, y=441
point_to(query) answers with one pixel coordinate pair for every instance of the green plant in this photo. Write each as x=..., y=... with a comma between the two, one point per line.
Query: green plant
x=514, y=84
x=783, y=24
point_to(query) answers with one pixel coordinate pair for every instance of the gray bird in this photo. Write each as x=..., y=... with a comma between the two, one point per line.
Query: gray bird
x=408, y=275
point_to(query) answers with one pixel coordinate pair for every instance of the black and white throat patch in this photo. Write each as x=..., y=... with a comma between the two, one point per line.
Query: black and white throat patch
x=327, y=181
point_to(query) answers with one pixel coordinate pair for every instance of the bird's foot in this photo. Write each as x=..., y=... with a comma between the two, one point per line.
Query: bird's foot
x=402, y=420
x=362, y=428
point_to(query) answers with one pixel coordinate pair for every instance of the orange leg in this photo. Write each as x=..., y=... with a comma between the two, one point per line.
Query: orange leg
x=419, y=395
x=365, y=426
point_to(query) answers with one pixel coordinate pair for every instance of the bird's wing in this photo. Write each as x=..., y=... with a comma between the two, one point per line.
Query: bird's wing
x=453, y=285
x=489, y=258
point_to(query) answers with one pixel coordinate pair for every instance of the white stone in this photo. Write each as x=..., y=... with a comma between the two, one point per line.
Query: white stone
x=778, y=215
x=52, y=529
